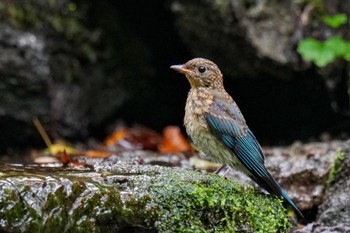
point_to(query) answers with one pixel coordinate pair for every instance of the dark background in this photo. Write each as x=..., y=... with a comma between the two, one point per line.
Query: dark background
x=109, y=62
x=278, y=110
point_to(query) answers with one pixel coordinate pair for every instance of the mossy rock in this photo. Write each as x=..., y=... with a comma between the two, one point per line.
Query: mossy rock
x=132, y=199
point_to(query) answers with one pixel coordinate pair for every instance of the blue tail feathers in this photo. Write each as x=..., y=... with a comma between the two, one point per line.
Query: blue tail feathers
x=294, y=206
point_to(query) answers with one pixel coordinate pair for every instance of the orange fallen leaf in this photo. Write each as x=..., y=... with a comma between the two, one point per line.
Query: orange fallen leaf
x=64, y=157
x=134, y=138
x=115, y=137
x=98, y=154
x=173, y=141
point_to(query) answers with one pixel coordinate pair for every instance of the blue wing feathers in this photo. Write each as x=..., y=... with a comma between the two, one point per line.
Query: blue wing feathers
x=248, y=153
x=228, y=125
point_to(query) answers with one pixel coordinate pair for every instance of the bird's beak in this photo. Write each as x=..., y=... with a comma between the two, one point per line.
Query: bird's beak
x=180, y=68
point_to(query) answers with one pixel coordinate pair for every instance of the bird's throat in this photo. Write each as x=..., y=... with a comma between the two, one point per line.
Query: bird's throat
x=193, y=83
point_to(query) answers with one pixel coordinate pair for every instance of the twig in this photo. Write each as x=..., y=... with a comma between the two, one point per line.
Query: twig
x=42, y=131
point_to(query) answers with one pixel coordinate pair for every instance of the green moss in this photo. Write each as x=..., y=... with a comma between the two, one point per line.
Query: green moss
x=193, y=202
x=336, y=167
x=151, y=199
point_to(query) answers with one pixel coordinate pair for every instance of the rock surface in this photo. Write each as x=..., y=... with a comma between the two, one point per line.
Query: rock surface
x=24, y=69
x=256, y=30
x=131, y=198
x=256, y=36
x=65, y=67
x=304, y=169
x=335, y=209
x=319, y=228
x=315, y=175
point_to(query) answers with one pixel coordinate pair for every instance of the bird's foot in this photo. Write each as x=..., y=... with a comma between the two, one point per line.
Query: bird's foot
x=220, y=169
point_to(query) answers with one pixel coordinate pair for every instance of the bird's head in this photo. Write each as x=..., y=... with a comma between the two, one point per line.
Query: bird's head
x=201, y=72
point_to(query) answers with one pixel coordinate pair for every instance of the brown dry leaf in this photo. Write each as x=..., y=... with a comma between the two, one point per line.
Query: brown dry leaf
x=134, y=138
x=173, y=141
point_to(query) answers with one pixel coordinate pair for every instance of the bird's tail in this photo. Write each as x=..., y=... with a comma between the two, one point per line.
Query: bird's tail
x=273, y=187
x=291, y=203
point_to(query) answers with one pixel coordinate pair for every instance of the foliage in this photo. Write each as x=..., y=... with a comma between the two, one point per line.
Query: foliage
x=335, y=21
x=336, y=167
x=326, y=52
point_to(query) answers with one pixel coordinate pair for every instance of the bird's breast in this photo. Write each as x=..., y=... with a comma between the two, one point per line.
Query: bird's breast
x=206, y=142
x=198, y=104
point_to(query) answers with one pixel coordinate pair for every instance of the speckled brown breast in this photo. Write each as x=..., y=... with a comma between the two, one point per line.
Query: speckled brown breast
x=198, y=103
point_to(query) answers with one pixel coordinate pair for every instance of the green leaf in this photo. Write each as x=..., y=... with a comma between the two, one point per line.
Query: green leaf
x=315, y=51
x=347, y=52
x=309, y=48
x=337, y=45
x=335, y=21
x=326, y=56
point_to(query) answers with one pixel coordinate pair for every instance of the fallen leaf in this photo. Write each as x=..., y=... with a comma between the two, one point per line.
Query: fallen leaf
x=64, y=157
x=58, y=147
x=134, y=138
x=173, y=141
x=97, y=154
x=115, y=137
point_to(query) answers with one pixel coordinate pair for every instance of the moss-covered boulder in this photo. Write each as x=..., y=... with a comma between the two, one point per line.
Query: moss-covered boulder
x=122, y=198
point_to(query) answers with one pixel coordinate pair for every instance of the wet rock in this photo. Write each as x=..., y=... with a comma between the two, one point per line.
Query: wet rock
x=303, y=170
x=335, y=209
x=316, y=176
x=131, y=198
x=319, y=228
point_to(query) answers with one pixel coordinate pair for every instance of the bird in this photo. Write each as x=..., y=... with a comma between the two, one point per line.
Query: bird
x=217, y=127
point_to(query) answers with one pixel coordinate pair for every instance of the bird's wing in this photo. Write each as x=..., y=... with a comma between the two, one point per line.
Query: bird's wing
x=228, y=125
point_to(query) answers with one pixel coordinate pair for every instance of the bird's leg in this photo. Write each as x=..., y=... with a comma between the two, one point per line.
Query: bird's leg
x=224, y=175
x=220, y=169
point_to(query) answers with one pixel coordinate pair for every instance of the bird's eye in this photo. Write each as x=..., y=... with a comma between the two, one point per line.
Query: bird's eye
x=201, y=69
